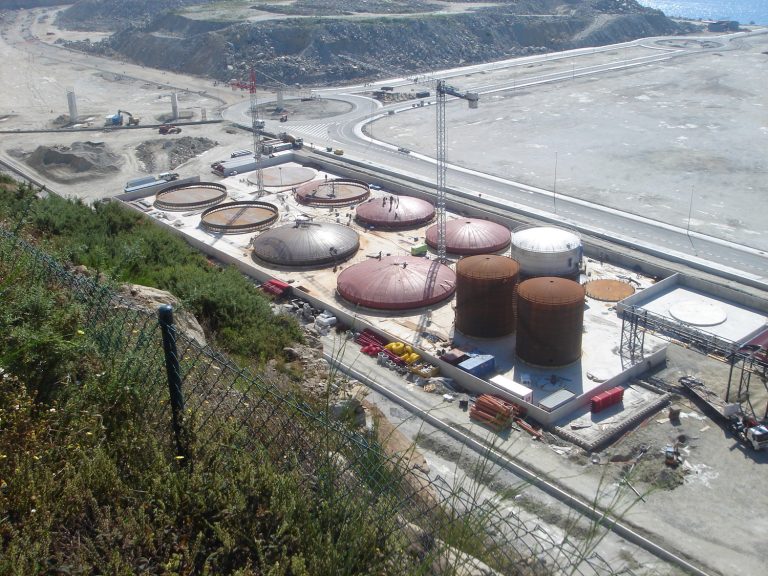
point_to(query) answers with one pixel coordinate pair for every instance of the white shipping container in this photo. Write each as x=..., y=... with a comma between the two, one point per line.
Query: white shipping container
x=517, y=390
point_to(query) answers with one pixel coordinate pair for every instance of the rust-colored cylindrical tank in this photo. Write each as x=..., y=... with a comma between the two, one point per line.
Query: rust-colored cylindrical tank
x=485, y=292
x=550, y=320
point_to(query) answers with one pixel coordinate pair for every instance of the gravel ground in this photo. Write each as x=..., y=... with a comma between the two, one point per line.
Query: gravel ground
x=665, y=140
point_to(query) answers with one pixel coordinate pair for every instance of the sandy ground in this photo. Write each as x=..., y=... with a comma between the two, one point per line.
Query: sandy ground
x=718, y=513
x=36, y=77
x=677, y=137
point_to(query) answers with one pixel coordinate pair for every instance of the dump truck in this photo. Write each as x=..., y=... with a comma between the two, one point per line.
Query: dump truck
x=296, y=143
x=749, y=432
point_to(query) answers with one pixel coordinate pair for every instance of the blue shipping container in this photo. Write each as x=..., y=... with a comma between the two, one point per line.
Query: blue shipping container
x=479, y=365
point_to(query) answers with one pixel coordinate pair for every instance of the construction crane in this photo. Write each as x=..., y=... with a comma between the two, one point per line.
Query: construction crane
x=442, y=91
x=256, y=126
x=280, y=89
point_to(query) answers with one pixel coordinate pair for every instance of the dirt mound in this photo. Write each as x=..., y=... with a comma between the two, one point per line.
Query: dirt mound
x=163, y=154
x=78, y=162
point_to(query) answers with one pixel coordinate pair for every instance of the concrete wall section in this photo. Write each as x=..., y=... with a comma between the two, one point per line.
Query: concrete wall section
x=152, y=189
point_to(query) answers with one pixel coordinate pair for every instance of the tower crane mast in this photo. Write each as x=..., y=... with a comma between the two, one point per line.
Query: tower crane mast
x=256, y=126
x=442, y=91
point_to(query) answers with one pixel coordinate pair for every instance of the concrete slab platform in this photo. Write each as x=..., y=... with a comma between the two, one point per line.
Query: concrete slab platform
x=705, y=313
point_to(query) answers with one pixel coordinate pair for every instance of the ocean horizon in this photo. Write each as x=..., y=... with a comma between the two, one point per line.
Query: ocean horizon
x=744, y=11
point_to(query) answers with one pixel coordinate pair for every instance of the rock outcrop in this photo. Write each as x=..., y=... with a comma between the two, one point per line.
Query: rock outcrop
x=335, y=48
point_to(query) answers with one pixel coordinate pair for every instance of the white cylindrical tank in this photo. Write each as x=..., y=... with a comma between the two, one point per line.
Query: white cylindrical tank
x=546, y=251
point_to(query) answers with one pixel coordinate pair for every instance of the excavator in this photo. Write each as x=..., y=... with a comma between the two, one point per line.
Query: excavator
x=117, y=119
x=132, y=120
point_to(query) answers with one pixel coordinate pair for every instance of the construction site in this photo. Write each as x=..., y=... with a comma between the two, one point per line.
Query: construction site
x=584, y=355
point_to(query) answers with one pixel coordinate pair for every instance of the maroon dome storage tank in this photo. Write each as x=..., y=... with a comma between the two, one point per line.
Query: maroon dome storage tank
x=550, y=320
x=395, y=212
x=397, y=283
x=471, y=236
x=485, y=294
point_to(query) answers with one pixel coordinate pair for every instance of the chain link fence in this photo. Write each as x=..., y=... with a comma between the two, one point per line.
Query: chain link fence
x=205, y=405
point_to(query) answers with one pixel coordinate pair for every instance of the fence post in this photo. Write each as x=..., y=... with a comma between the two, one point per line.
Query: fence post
x=173, y=370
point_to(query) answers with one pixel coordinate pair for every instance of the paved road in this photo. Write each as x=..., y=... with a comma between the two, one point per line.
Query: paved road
x=346, y=131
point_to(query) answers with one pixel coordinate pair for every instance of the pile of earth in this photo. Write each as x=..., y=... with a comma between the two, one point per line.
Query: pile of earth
x=161, y=155
x=79, y=162
x=337, y=49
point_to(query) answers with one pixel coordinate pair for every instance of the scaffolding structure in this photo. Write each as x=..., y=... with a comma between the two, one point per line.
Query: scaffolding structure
x=744, y=360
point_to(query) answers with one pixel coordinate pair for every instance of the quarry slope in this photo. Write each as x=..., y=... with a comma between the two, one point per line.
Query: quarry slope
x=306, y=42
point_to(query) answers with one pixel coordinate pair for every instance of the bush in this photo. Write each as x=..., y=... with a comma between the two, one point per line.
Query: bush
x=125, y=245
x=89, y=481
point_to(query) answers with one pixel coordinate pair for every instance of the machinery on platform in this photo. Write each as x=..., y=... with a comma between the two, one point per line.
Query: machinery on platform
x=118, y=119
x=749, y=432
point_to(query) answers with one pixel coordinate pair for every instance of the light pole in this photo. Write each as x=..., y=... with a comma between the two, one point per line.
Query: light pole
x=688, y=226
x=280, y=171
x=690, y=211
x=554, y=187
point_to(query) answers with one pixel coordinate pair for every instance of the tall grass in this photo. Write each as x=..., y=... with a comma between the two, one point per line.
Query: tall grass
x=90, y=483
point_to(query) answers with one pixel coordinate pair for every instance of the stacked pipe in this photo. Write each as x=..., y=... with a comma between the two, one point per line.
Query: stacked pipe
x=495, y=412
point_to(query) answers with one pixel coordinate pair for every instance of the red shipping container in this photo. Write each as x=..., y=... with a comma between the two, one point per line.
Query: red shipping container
x=606, y=399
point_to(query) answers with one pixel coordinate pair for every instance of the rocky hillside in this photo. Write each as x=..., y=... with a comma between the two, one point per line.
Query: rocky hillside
x=311, y=49
x=16, y=4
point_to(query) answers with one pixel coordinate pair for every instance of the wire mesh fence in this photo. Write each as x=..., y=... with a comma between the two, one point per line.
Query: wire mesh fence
x=228, y=409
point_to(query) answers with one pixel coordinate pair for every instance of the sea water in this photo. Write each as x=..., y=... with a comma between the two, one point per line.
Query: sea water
x=744, y=11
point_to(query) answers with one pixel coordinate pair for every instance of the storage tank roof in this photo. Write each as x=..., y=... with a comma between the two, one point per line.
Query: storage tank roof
x=551, y=290
x=306, y=244
x=471, y=236
x=545, y=239
x=401, y=212
x=487, y=266
x=397, y=283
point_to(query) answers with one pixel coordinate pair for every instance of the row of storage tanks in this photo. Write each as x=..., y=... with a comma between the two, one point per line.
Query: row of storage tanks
x=533, y=292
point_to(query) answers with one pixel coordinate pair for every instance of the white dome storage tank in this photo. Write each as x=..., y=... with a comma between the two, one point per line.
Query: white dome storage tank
x=547, y=251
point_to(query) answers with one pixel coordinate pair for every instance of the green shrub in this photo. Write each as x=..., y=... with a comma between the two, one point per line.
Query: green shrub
x=125, y=245
x=89, y=481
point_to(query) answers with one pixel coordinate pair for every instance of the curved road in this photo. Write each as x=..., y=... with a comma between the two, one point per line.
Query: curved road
x=744, y=264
